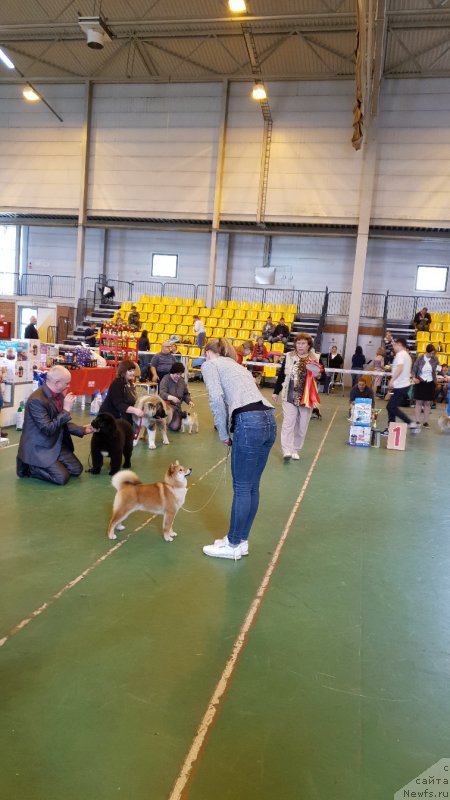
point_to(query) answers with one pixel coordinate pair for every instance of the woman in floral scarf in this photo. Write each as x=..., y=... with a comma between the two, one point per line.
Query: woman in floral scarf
x=296, y=382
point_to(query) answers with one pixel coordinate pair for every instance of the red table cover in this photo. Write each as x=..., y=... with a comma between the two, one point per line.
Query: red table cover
x=88, y=380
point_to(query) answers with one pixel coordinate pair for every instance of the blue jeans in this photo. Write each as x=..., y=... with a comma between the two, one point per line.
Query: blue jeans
x=254, y=435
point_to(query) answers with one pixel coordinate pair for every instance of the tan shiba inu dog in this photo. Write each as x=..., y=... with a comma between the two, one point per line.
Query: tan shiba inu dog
x=165, y=497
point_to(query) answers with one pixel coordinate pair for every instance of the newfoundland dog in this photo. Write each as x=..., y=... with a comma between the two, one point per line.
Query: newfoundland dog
x=113, y=438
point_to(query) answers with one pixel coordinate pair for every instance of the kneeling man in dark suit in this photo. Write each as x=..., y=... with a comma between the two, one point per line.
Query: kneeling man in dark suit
x=46, y=447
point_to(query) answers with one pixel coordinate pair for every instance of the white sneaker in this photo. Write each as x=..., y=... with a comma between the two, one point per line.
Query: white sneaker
x=243, y=545
x=295, y=457
x=223, y=549
x=287, y=457
x=414, y=427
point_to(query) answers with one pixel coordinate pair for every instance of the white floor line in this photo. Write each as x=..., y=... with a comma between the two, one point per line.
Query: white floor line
x=213, y=705
x=38, y=611
x=8, y=446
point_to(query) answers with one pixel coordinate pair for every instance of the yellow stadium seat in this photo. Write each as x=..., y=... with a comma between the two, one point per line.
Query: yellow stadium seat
x=228, y=313
x=258, y=324
x=252, y=314
x=445, y=317
x=182, y=330
x=236, y=323
x=435, y=336
x=188, y=320
x=222, y=303
x=233, y=304
x=231, y=333
x=436, y=326
x=158, y=327
x=219, y=332
x=208, y=331
x=422, y=336
x=421, y=346
x=212, y=321
x=442, y=358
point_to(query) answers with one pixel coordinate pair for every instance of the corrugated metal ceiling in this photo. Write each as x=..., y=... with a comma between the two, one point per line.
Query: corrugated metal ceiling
x=170, y=40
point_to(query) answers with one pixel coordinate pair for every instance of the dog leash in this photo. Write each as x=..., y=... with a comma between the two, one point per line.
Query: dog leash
x=223, y=475
x=138, y=432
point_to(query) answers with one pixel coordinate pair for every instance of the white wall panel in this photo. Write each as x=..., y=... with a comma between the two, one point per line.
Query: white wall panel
x=413, y=170
x=40, y=158
x=173, y=181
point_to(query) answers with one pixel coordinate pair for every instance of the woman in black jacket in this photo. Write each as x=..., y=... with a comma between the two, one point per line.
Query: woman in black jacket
x=358, y=361
x=121, y=397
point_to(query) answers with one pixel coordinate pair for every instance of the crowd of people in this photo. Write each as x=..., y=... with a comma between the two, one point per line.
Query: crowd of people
x=243, y=416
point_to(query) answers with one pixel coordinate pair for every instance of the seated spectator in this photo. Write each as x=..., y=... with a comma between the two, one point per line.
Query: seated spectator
x=134, y=318
x=422, y=320
x=441, y=385
x=162, y=362
x=244, y=352
x=361, y=389
x=358, y=361
x=144, y=359
x=280, y=333
x=119, y=321
x=268, y=329
x=260, y=353
x=46, y=449
x=173, y=390
x=90, y=336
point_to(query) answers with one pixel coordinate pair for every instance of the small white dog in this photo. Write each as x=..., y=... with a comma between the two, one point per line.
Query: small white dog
x=444, y=424
x=189, y=421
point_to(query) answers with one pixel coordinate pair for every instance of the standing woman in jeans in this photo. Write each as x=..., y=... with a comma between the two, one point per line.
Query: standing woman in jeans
x=238, y=407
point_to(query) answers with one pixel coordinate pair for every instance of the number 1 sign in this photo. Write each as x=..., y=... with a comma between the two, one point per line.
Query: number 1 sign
x=397, y=436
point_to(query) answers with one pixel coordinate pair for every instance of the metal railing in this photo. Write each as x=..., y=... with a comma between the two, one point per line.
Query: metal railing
x=338, y=304
x=400, y=307
x=9, y=283
x=311, y=302
x=36, y=285
x=62, y=286
x=372, y=305
x=149, y=288
x=285, y=297
x=247, y=294
x=220, y=292
x=179, y=290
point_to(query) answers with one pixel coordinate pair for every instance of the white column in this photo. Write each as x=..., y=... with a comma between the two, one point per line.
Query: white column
x=365, y=211
x=81, y=233
x=217, y=198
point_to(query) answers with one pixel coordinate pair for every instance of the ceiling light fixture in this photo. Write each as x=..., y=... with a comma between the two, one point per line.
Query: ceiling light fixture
x=259, y=91
x=30, y=94
x=237, y=6
x=7, y=61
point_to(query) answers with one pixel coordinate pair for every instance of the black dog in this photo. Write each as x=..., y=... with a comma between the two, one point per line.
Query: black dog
x=113, y=438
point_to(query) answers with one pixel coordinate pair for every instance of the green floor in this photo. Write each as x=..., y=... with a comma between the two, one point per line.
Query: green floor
x=341, y=689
